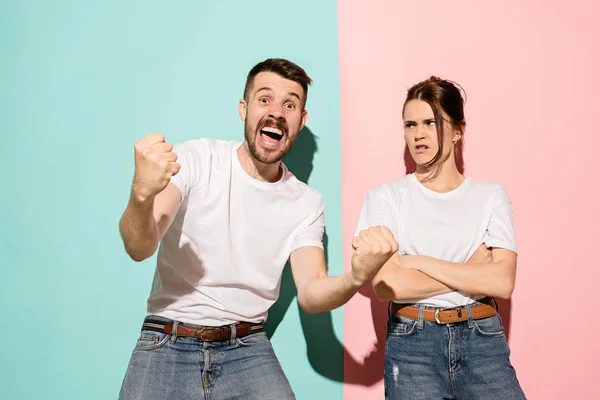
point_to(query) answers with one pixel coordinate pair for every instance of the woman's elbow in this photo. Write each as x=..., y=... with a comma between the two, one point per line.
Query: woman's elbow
x=505, y=290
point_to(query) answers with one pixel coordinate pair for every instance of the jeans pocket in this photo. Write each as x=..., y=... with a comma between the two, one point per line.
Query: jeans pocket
x=150, y=340
x=401, y=326
x=250, y=340
x=491, y=326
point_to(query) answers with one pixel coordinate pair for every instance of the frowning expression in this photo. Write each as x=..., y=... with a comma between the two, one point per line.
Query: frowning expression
x=420, y=132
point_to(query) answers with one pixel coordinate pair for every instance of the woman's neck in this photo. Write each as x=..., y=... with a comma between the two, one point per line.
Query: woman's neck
x=440, y=178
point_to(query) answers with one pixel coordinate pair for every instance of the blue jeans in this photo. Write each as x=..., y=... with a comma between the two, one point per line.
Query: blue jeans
x=462, y=361
x=168, y=367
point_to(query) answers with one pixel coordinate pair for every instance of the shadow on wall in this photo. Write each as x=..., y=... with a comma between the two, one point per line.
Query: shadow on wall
x=325, y=352
x=372, y=371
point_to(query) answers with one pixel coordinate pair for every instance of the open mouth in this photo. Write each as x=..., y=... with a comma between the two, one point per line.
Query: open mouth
x=420, y=148
x=272, y=133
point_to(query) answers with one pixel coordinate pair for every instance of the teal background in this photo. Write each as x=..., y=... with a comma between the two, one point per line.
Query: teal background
x=81, y=81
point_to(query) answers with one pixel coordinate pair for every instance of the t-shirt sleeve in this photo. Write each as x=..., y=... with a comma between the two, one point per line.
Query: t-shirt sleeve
x=189, y=175
x=311, y=234
x=500, y=232
x=378, y=210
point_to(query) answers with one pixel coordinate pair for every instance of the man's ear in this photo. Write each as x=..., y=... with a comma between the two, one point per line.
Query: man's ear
x=242, y=110
x=303, y=119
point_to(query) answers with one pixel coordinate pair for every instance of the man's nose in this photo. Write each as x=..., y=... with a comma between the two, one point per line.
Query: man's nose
x=276, y=111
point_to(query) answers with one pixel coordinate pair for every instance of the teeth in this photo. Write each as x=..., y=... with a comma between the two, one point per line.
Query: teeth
x=272, y=130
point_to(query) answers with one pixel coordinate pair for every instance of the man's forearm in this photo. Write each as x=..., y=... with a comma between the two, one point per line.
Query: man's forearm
x=139, y=230
x=326, y=293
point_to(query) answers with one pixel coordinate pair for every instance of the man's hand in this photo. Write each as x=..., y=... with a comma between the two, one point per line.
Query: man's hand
x=481, y=255
x=373, y=248
x=155, y=164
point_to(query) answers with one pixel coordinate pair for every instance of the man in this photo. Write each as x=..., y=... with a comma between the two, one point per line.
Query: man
x=228, y=216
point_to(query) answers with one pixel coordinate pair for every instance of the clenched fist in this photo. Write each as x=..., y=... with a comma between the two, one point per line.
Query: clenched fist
x=373, y=248
x=155, y=164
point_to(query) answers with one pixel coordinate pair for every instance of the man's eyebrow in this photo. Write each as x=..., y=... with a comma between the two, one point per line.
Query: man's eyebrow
x=264, y=88
x=295, y=95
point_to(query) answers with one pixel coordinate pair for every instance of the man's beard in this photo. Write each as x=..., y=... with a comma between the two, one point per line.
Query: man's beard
x=269, y=156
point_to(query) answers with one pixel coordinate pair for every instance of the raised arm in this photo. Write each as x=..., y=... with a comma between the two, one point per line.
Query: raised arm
x=154, y=201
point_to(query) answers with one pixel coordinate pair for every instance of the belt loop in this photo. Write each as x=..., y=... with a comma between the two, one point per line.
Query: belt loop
x=468, y=308
x=174, y=333
x=233, y=334
x=493, y=299
x=421, y=314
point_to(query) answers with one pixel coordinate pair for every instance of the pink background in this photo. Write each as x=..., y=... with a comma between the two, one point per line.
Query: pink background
x=531, y=72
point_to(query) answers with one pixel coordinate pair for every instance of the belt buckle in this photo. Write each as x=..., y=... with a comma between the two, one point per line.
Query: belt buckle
x=201, y=335
x=436, y=316
x=202, y=330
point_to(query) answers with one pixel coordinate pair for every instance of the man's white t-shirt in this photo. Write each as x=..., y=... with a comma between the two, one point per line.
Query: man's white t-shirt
x=222, y=258
x=449, y=226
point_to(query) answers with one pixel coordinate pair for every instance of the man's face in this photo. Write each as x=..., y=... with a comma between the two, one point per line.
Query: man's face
x=273, y=115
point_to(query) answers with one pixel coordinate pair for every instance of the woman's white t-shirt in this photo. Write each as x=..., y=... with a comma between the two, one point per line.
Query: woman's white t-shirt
x=449, y=226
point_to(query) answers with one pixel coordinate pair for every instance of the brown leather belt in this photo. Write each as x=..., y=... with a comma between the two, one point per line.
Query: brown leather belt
x=446, y=315
x=207, y=334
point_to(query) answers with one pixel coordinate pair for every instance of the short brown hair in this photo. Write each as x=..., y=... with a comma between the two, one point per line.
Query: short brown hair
x=282, y=67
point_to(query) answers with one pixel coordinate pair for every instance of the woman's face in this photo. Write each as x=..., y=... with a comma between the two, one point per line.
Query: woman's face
x=420, y=133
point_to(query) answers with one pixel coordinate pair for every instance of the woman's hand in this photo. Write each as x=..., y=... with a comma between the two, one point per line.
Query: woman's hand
x=482, y=255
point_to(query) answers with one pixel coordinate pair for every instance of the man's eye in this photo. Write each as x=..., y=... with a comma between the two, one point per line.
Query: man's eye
x=263, y=100
x=290, y=106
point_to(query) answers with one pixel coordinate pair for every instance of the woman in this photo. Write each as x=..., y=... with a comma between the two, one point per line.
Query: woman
x=457, y=251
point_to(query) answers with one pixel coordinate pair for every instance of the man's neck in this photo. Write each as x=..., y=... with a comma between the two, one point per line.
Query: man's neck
x=256, y=169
